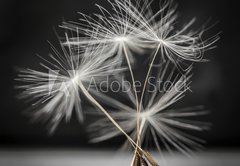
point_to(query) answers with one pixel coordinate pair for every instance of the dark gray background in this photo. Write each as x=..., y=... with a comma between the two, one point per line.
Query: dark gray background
x=27, y=25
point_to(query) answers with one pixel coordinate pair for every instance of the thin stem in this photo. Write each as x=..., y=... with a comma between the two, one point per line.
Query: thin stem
x=135, y=157
x=148, y=73
x=96, y=103
x=138, y=140
x=139, y=130
x=135, y=92
x=131, y=73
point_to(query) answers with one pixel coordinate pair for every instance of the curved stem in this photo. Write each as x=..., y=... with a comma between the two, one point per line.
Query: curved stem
x=132, y=75
x=148, y=73
x=135, y=92
x=139, y=129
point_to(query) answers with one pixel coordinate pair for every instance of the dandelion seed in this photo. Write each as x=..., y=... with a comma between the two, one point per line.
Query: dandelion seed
x=55, y=90
x=164, y=124
x=136, y=27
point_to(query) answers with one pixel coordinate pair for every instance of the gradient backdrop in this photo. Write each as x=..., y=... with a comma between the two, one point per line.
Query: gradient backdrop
x=26, y=26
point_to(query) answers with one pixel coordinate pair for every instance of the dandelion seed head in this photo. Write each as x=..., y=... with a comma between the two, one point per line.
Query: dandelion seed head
x=121, y=39
x=143, y=29
x=156, y=119
x=54, y=91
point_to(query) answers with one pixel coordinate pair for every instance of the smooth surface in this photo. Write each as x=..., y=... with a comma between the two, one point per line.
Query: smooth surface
x=108, y=158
